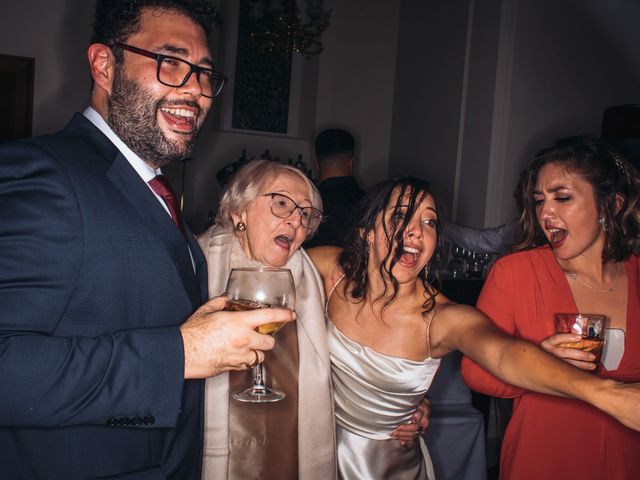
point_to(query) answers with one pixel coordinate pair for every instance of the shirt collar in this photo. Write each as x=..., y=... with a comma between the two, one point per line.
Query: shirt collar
x=139, y=165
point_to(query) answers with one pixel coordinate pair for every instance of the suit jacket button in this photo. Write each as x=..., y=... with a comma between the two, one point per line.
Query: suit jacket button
x=135, y=421
x=149, y=420
x=124, y=421
x=112, y=422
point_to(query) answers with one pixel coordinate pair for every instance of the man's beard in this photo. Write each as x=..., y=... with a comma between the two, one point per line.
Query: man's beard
x=133, y=117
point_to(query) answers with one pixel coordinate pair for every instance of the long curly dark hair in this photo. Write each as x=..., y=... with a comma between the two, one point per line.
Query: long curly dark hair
x=606, y=170
x=354, y=258
x=115, y=20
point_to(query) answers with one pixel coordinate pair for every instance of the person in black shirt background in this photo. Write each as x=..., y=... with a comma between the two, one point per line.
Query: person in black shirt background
x=335, y=151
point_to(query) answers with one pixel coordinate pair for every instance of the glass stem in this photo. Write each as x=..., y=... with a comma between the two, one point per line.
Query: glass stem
x=258, y=376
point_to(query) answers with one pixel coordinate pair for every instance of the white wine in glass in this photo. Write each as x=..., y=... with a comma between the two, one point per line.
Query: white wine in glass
x=261, y=287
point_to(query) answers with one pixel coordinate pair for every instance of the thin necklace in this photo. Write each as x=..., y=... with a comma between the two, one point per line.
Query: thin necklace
x=574, y=276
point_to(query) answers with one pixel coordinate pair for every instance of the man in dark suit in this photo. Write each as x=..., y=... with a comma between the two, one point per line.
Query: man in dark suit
x=102, y=344
x=335, y=152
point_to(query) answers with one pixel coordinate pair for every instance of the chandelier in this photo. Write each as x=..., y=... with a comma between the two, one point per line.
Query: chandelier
x=280, y=25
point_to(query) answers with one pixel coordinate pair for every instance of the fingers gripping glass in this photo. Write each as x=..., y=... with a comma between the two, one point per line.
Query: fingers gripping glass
x=175, y=72
x=283, y=206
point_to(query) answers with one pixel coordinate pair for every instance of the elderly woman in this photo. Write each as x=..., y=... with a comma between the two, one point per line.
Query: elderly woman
x=578, y=252
x=266, y=212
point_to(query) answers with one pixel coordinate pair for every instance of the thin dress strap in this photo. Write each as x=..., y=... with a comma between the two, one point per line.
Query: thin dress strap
x=326, y=305
x=430, y=316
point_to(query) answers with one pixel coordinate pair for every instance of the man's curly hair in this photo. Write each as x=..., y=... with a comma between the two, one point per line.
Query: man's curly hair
x=115, y=20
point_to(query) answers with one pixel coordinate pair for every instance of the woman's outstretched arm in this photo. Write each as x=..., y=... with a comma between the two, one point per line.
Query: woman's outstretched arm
x=521, y=363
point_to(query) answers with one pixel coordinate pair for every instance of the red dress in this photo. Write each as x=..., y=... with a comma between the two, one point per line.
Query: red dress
x=549, y=437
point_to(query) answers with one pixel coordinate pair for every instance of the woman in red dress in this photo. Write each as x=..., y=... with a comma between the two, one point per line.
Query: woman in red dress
x=578, y=252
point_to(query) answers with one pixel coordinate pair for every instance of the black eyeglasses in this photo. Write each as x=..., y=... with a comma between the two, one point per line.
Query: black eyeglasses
x=175, y=72
x=283, y=206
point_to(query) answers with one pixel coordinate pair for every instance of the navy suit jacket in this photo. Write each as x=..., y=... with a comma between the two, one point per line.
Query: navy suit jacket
x=94, y=280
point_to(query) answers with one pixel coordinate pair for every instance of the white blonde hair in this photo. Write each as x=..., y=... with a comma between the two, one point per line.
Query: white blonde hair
x=250, y=181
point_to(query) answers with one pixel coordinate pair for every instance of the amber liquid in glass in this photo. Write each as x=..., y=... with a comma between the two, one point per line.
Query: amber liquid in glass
x=243, y=305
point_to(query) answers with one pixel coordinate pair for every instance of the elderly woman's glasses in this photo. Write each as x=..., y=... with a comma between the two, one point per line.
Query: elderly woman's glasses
x=283, y=206
x=175, y=72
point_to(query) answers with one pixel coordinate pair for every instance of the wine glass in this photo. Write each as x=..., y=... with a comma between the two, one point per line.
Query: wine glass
x=262, y=287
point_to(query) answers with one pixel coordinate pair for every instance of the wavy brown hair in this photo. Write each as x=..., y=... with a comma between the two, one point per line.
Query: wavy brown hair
x=609, y=174
x=354, y=258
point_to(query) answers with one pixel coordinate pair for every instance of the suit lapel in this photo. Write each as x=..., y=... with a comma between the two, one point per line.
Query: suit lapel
x=159, y=222
x=123, y=176
x=200, y=263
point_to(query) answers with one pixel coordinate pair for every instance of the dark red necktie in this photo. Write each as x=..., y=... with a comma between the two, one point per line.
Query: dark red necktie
x=160, y=185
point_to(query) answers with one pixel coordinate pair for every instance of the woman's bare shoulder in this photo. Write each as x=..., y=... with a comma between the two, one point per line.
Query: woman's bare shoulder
x=325, y=259
x=449, y=325
x=450, y=314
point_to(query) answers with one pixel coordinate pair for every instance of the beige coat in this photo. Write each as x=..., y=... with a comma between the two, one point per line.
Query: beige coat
x=316, y=430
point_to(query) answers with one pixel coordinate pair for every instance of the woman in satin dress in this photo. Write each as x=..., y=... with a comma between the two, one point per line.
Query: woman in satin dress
x=388, y=327
x=266, y=211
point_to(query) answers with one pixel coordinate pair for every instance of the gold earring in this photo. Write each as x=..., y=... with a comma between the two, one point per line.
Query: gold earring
x=241, y=226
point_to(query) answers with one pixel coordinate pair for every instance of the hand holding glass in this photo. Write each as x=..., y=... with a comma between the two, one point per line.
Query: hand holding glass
x=589, y=326
x=252, y=288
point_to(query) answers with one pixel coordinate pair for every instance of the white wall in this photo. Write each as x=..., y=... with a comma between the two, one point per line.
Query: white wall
x=474, y=137
x=482, y=85
x=356, y=79
x=428, y=93
x=56, y=33
x=569, y=61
